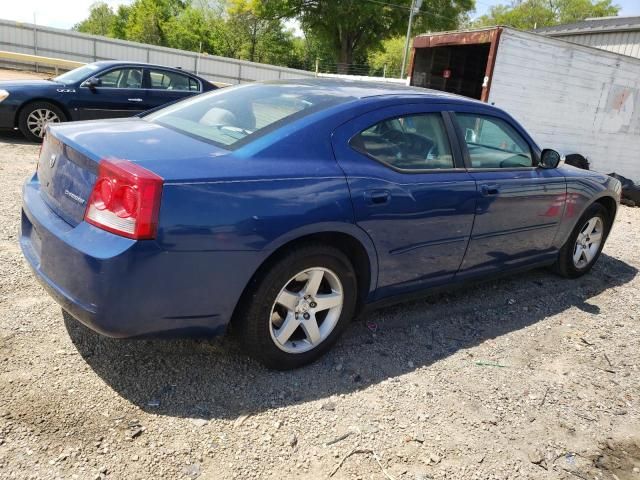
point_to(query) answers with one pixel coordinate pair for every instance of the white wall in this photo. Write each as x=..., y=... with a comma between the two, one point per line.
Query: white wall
x=572, y=98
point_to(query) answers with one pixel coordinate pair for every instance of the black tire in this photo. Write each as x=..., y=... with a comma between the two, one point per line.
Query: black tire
x=32, y=107
x=565, y=265
x=253, y=318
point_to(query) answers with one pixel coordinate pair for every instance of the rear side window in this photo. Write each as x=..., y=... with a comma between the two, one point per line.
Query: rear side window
x=166, y=80
x=411, y=142
x=493, y=143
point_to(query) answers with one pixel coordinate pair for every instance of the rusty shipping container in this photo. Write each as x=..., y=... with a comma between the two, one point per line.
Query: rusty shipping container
x=574, y=98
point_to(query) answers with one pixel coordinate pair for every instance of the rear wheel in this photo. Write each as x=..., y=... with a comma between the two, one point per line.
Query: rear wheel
x=299, y=307
x=582, y=249
x=34, y=118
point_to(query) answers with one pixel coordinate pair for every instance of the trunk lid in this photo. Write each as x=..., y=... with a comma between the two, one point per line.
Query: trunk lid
x=71, y=153
x=66, y=179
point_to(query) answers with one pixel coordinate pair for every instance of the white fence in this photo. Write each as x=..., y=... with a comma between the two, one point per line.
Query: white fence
x=70, y=45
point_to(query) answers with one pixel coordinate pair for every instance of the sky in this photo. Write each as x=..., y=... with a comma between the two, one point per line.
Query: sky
x=50, y=13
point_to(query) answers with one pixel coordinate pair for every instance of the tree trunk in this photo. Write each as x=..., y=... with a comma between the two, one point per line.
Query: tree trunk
x=346, y=55
x=254, y=41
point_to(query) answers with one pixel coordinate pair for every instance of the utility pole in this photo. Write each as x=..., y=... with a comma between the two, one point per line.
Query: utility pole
x=415, y=8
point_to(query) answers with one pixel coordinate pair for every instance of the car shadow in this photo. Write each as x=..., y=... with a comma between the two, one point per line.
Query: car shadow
x=212, y=378
x=14, y=137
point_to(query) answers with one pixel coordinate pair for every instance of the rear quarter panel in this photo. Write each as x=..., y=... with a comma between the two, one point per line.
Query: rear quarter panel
x=261, y=197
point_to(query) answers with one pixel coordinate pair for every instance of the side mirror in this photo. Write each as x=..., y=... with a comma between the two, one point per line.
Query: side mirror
x=550, y=159
x=93, y=82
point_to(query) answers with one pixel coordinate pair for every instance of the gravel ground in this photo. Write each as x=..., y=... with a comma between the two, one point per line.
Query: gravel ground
x=528, y=377
x=7, y=74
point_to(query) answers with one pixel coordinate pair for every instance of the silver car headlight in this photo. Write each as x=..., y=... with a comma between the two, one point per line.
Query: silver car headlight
x=3, y=94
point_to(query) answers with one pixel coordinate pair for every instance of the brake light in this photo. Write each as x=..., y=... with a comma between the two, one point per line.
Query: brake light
x=125, y=200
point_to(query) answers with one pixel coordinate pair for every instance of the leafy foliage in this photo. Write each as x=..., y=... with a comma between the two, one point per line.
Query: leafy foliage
x=101, y=20
x=349, y=29
x=348, y=36
x=529, y=14
x=388, y=59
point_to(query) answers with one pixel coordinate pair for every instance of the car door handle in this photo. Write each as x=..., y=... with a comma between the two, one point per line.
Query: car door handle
x=135, y=99
x=378, y=197
x=488, y=190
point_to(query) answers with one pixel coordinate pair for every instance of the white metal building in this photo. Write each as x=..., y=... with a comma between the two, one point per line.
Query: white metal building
x=570, y=97
x=615, y=34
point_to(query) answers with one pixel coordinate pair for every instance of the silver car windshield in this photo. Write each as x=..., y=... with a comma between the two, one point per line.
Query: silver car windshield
x=233, y=116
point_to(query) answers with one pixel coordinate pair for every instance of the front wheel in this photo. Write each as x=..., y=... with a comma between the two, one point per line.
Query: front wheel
x=34, y=117
x=584, y=245
x=297, y=309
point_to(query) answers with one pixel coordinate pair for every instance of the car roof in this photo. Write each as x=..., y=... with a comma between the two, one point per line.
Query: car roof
x=109, y=63
x=365, y=89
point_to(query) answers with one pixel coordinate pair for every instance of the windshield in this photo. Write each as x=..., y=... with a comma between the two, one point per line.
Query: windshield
x=77, y=74
x=233, y=116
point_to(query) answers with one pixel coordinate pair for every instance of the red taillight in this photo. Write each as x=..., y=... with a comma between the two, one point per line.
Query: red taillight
x=125, y=200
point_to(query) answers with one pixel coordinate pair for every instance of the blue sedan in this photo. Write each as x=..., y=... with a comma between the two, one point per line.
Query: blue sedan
x=284, y=209
x=106, y=89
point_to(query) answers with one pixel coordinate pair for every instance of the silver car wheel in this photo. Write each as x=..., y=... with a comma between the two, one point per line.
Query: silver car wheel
x=588, y=242
x=306, y=310
x=38, y=120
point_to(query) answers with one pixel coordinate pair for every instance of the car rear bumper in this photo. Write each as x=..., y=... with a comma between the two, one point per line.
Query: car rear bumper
x=126, y=288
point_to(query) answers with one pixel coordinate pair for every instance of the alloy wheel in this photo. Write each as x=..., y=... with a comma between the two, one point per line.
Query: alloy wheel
x=306, y=310
x=38, y=120
x=588, y=242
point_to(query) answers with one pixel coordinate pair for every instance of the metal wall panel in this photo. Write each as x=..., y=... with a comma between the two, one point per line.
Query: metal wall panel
x=624, y=43
x=116, y=51
x=572, y=98
x=53, y=42
x=186, y=61
x=17, y=35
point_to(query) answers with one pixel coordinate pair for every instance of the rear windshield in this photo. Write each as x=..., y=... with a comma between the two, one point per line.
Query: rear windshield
x=233, y=116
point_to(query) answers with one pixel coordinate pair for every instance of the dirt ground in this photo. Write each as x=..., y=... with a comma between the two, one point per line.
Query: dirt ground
x=531, y=376
x=7, y=74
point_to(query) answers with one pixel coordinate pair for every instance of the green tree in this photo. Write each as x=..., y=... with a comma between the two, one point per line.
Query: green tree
x=247, y=34
x=349, y=28
x=189, y=30
x=231, y=28
x=119, y=28
x=149, y=20
x=388, y=59
x=100, y=21
x=530, y=14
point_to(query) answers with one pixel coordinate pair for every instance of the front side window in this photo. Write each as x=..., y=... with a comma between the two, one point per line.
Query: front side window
x=166, y=80
x=122, y=78
x=232, y=116
x=493, y=143
x=411, y=142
